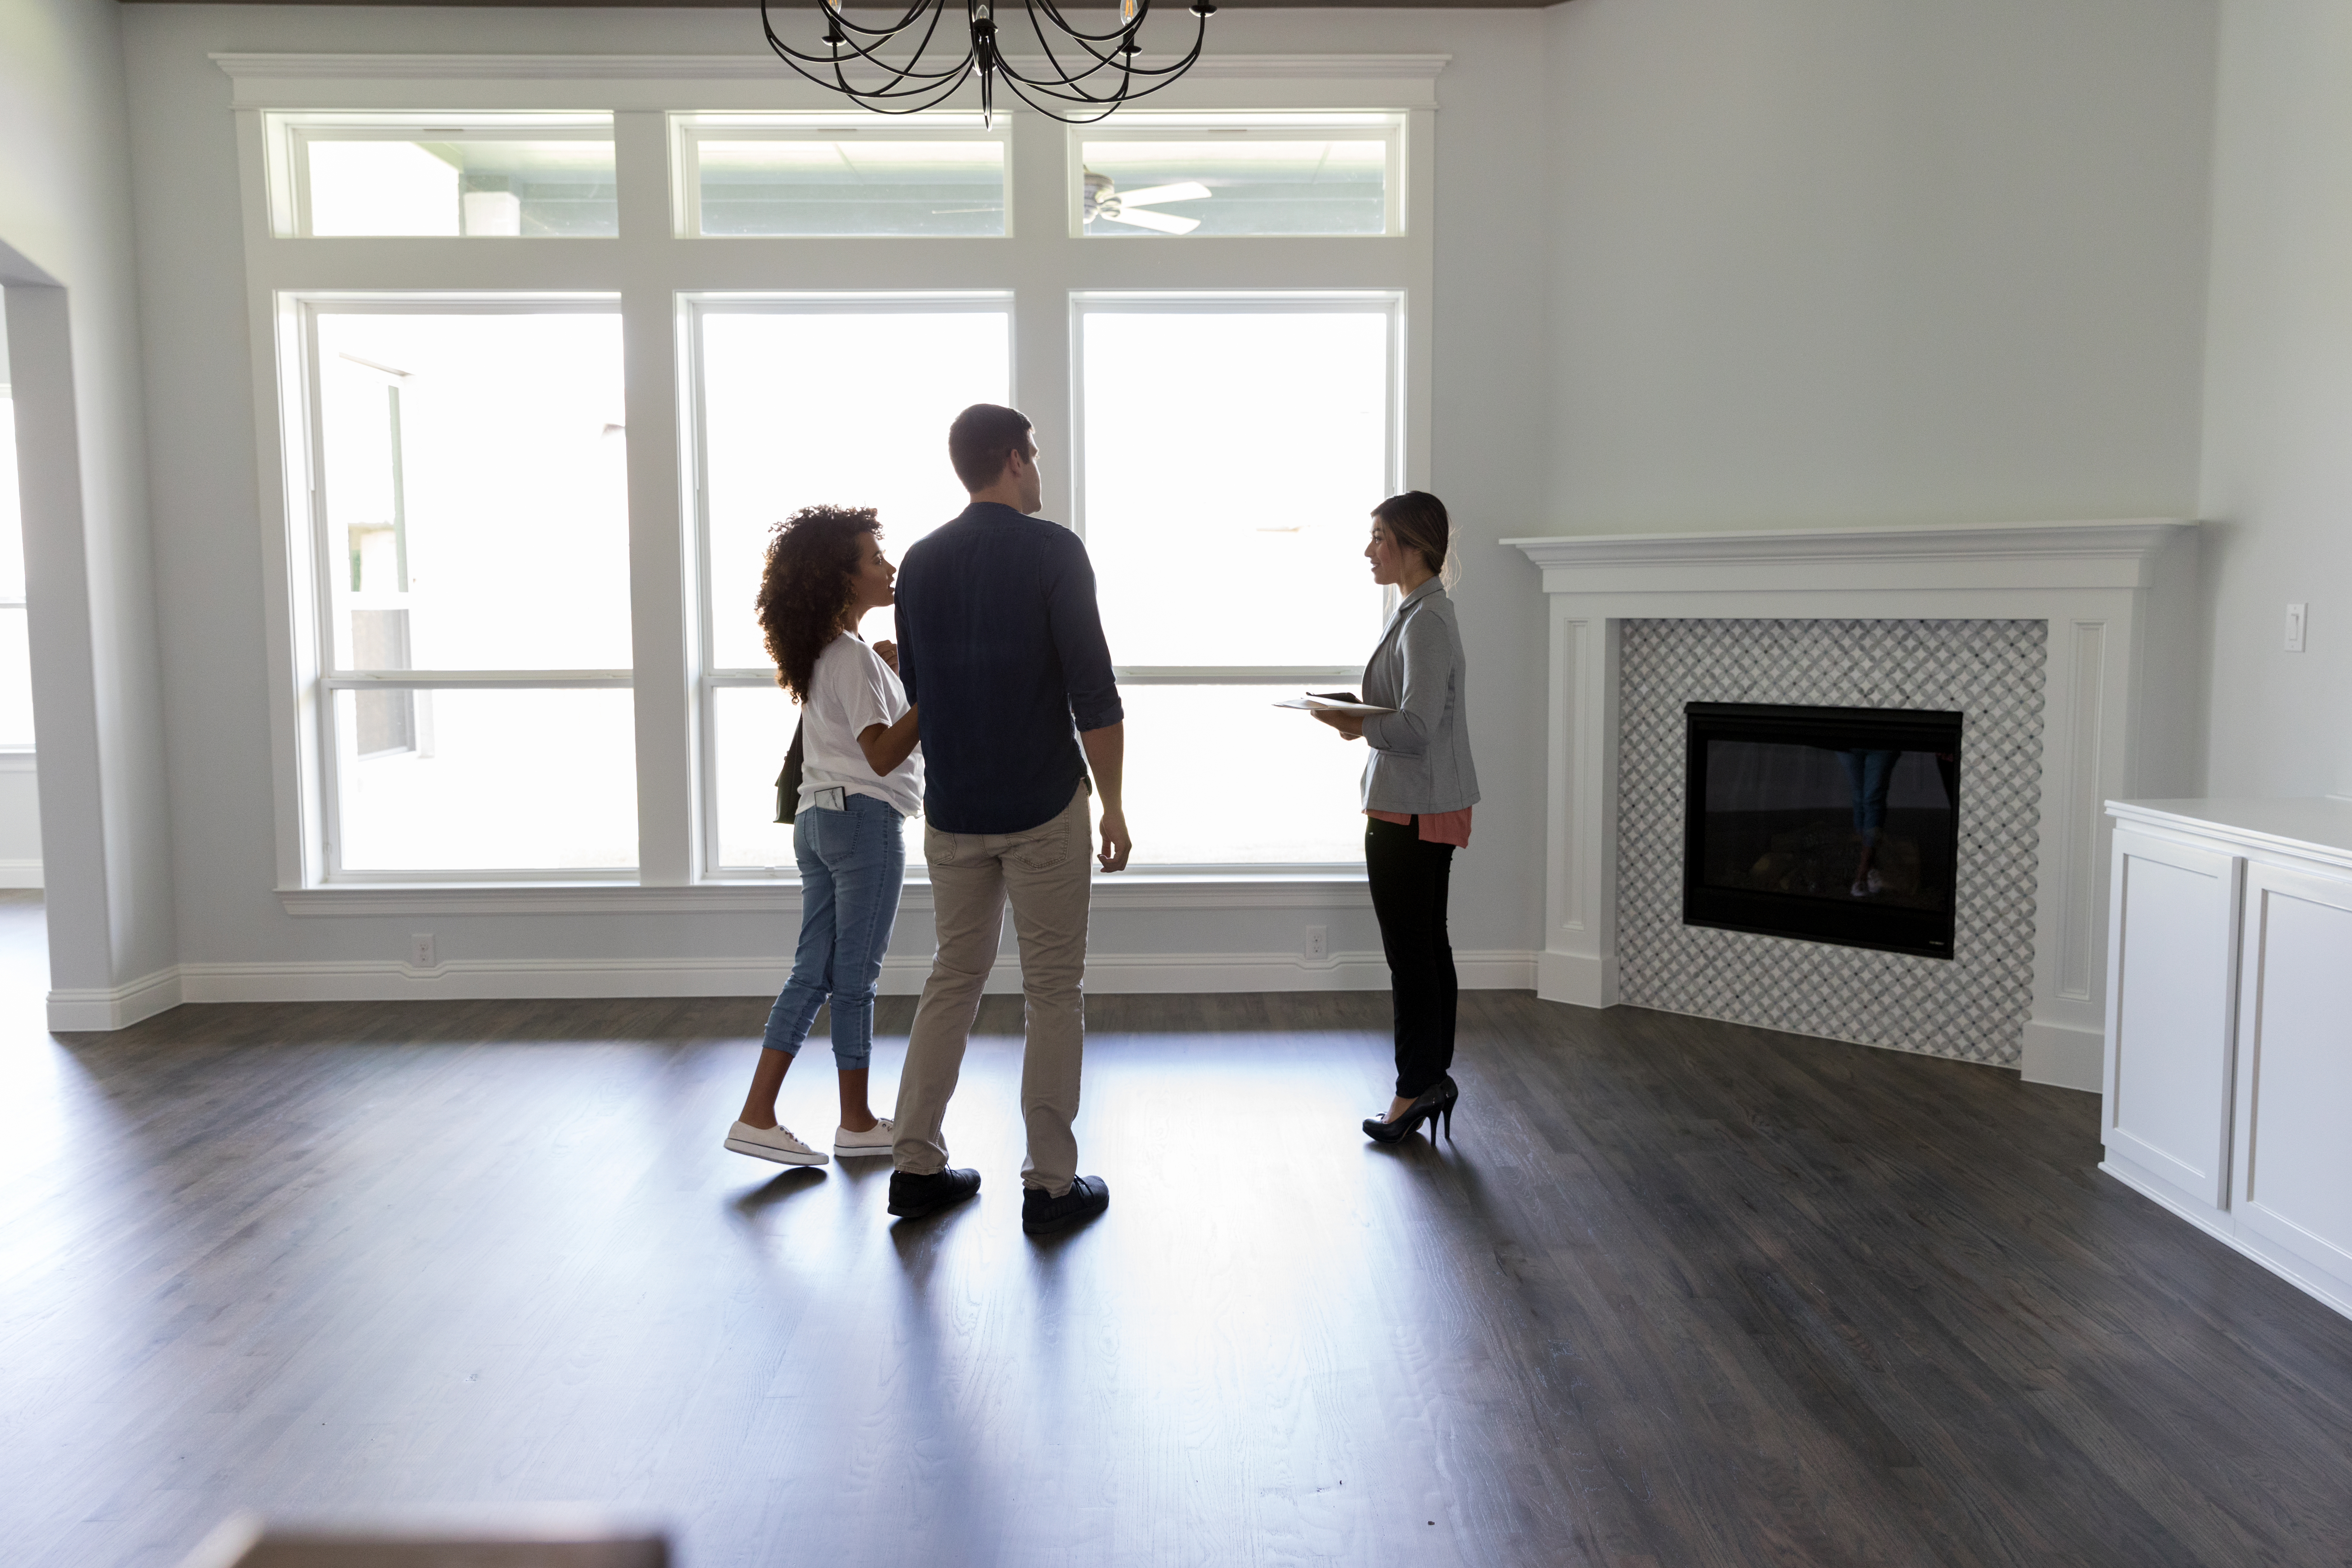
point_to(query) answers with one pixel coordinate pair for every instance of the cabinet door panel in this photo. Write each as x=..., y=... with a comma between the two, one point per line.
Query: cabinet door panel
x=2171, y=988
x=2295, y=1067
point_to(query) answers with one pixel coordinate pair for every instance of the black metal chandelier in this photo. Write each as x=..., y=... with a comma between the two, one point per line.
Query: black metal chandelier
x=1093, y=75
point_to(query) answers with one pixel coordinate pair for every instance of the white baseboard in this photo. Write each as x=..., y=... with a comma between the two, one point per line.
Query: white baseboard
x=2064, y=1056
x=116, y=1007
x=1578, y=979
x=20, y=874
x=384, y=979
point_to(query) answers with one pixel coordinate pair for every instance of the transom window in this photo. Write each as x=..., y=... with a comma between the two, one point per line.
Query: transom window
x=927, y=175
x=482, y=176
x=528, y=487
x=1164, y=177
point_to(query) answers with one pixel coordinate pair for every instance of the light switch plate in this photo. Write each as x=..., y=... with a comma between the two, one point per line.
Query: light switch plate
x=2297, y=616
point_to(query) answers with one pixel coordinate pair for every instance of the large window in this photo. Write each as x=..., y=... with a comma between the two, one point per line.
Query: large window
x=1231, y=450
x=528, y=484
x=15, y=650
x=472, y=533
x=844, y=400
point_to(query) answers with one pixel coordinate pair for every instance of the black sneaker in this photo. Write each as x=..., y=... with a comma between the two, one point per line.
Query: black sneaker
x=1087, y=1196
x=913, y=1196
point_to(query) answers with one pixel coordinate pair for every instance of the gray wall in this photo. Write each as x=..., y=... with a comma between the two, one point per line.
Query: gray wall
x=1700, y=263
x=66, y=260
x=2278, y=430
x=1869, y=261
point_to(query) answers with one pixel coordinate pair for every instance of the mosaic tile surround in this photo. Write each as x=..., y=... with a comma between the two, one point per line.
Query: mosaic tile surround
x=1972, y=1006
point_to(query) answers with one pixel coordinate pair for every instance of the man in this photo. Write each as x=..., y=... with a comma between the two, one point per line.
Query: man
x=1000, y=648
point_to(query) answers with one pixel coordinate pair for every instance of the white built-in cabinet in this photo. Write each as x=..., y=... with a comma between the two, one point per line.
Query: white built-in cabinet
x=2228, y=1082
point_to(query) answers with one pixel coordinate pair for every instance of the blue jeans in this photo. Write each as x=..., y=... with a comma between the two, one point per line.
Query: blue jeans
x=852, y=865
x=1869, y=774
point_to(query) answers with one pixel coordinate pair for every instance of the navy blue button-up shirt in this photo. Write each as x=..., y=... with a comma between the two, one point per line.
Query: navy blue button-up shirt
x=1001, y=647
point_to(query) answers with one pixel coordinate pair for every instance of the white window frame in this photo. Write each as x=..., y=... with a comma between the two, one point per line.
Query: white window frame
x=688, y=130
x=12, y=600
x=694, y=309
x=1287, y=679
x=1147, y=125
x=288, y=136
x=326, y=559
x=654, y=272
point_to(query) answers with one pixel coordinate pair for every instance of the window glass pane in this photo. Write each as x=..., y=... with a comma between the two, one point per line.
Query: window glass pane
x=752, y=729
x=852, y=187
x=462, y=185
x=848, y=407
x=1231, y=466
x=475, y=496
x=486, y=781
x=1234, y=185
x=12, y=522
x=15, y=678
x=1315, y=816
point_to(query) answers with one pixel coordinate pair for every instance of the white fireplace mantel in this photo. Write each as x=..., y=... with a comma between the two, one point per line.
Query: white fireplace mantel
x=2118, y=596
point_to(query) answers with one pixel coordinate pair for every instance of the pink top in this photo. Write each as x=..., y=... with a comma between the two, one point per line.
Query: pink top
x=1436, y=826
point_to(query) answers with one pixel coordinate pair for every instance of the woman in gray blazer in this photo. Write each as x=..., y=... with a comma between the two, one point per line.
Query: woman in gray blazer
x=1418, y=787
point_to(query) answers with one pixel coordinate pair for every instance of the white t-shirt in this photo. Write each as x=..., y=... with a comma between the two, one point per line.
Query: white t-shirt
x=850, y=692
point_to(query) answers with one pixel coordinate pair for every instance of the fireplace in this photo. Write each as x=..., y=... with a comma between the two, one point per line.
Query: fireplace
x=1830, y=825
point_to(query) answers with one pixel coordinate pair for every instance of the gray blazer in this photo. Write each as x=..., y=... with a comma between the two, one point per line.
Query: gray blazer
x=1421, y=753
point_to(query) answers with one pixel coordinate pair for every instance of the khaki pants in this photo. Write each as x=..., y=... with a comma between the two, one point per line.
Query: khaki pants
x=1047, y=872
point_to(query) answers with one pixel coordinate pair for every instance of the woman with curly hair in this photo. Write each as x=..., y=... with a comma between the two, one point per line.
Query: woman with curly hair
x=861, y=779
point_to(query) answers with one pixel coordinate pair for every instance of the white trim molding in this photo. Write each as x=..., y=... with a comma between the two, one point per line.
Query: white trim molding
x=761, y=82
x=1126, y=891
x=116, y=1007
x=2118, y=593
x=20, y=874
x=1162, y=973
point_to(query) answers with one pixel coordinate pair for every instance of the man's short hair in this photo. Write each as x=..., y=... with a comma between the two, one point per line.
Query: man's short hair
x=982, y=437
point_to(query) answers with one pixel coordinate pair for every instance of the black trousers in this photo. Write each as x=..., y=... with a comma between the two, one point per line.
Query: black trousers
x=1408, y=881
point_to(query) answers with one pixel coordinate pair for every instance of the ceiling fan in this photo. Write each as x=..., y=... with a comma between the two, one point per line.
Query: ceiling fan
x=1104, y=201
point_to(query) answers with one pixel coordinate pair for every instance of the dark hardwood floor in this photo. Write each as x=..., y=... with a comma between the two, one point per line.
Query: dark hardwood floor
x=1683, y=1294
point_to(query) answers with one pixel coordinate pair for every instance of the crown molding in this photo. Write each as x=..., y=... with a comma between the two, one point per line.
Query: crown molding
x=757, y=68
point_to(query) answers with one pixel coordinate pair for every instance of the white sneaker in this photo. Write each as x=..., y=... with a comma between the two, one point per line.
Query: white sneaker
x=875, y=1140
x=775, y=1143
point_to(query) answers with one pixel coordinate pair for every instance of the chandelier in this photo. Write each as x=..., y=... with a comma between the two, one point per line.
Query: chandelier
x=1093, y=74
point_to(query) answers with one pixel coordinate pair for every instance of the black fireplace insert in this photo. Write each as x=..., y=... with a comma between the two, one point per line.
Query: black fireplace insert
x=1835, y=824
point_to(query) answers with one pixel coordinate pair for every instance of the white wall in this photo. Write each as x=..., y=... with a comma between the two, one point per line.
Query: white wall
x=66, y=260
x=1868, y=261
x=1490, y=384
x=2278, y=434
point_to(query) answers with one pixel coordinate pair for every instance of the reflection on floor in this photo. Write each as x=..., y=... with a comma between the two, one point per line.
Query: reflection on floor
x=1685, y=1293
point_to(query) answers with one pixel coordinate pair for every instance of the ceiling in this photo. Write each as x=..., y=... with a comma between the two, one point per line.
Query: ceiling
x=787, y=5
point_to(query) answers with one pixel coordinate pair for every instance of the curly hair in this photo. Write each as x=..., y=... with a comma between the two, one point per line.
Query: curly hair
x=805, y=586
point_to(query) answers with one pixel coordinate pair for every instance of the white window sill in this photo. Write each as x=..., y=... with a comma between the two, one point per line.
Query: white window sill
x=1343, y=888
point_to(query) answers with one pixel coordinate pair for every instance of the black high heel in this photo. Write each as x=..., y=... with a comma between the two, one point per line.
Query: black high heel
x=1435, y=1101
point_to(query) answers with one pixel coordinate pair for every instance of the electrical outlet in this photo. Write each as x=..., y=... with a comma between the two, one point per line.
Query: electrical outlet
x=420, y=950
x=2297, y=617
x=1319, y=942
